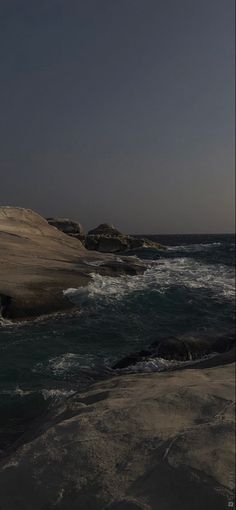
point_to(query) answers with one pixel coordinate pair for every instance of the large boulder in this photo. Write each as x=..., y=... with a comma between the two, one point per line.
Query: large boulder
x=106, y=244
x=105, y=229
x=69, y=227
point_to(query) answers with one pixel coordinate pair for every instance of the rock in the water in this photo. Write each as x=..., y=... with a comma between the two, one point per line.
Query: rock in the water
x=69, y=227
x=105, y=229
x=180, y=348
x=108, y=239
x=106, y=244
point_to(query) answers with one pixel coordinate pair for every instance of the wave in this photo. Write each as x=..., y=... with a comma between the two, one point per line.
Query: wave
x=160, y=276
x=194, y=247
x=17, y=392
x=5, y=322
x=52, y=393
x=57, y=394
x=161, y=364
x=68, y=363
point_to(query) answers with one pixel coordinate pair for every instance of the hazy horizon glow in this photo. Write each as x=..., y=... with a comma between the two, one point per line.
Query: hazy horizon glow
x=119, y=112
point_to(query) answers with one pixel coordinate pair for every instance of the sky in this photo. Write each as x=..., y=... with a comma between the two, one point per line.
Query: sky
x=119, y=111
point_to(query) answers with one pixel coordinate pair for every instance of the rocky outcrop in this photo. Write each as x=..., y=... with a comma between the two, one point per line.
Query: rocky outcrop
x=106, y=238
x=38, y=262
x=119, y=243
x=147, y=441
x=105, y=229
x=107, y=244
x=180, y=348
x=69, y=227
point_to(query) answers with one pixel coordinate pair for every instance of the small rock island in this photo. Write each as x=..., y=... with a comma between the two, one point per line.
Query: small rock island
x=105, y=238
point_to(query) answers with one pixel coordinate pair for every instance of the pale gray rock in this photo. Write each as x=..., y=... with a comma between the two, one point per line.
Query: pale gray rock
x=148, y=441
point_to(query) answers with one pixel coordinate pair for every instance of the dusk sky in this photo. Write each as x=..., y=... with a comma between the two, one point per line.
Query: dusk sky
x=119, y=111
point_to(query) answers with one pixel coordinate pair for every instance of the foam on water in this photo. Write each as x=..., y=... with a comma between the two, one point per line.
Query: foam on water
x=67, y=363
x=56, y=394
x=160, y=364
x=160, y=276
x=191, y=248
x=17, y=392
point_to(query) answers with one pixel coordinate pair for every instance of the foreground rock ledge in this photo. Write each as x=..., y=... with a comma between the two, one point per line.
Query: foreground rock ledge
x=152, y=441
x=38, y=262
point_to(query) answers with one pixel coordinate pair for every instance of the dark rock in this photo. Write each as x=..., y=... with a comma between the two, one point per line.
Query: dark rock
x=69, y=227
x=107, y=239
x=180, y=349
x=105, y=229
x=5, y=303
x=112, y=244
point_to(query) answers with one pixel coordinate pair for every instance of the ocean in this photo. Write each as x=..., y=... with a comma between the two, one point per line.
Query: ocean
x=187, y=289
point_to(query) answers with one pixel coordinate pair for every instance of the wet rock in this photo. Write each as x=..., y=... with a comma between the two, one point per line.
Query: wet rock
x=5, y=304
x=180, y=349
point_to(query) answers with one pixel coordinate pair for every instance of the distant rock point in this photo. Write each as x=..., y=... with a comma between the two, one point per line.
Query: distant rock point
x=105, y=229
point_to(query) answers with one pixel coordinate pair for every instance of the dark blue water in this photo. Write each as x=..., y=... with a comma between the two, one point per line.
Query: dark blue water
x=187, y=289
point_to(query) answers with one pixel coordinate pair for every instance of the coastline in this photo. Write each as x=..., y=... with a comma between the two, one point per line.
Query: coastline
x=123, y=442
x=39, y=262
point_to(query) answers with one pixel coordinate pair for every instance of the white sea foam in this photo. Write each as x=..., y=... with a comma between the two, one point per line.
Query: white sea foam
x=189, y=248
x=66, y=363
x=16, y=392
x=56, y=393
x=160, y=276
x=161, y=364
x=95, y=263
x=5, y=322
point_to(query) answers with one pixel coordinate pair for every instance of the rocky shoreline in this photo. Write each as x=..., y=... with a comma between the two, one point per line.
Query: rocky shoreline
x=38, y=262
x=131, y=442
x=134, y=441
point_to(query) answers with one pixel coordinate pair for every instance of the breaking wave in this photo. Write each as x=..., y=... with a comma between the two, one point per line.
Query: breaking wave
x=160, y=276
x=160, y=364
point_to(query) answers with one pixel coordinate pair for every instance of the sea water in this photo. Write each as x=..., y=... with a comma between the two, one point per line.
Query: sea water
x=187, y=289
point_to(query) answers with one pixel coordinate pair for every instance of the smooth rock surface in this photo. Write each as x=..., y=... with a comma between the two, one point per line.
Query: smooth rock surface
x=149, y=441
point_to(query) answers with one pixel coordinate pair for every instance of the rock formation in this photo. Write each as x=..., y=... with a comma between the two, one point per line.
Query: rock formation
x=105, y=238
x=133, y=442
x=181, y=348
x=116, y=243
x=69, y=227
x=38, y=262
x=105, y=229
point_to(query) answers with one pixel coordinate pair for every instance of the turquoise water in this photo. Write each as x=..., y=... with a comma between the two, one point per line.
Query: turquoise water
x=188, y=289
